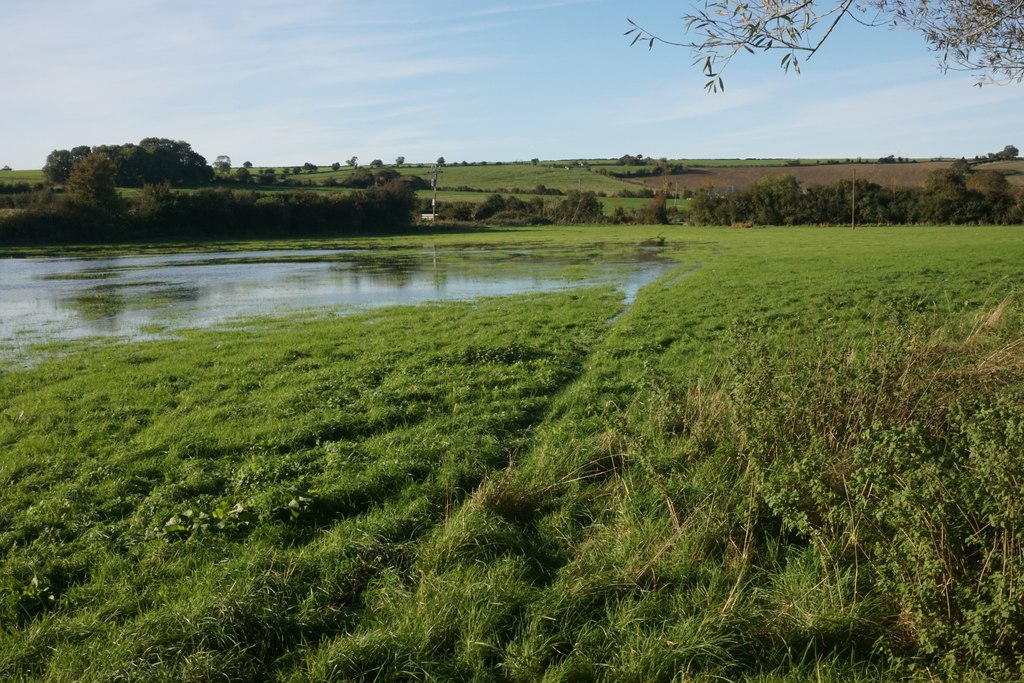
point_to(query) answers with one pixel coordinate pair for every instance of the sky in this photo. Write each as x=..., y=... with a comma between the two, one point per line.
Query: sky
x=284, y=82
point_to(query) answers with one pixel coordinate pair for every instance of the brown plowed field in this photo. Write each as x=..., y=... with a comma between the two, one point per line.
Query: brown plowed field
x=740, y=177
x=1014, y=170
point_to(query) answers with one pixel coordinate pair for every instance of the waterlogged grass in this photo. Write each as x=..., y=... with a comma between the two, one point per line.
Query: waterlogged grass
x=272, y=468
x=584, y=240
x=796, y=460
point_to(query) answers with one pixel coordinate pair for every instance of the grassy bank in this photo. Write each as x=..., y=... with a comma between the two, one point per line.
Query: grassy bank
x=796, y=458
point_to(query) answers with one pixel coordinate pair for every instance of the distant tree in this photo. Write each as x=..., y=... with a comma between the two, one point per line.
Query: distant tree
x=162, y=159
x=57, y=166
x=989, y=183
x=335, y=166
x=996, y=192
x=266, y=176
x=152, y=160
x=776, y=200
x=246, y=164
x=353, y=162
x=385, y=175
x=455, y=211
x=242, y=174
x=399, y=161
x=6, y=168
x=579, y=207
x=490, y=206
x=91, y=182
x=945, y=198
x=310, y=167
x=655, y=211
x=1009, y=153
x=440, y=161
x=59, y=162
x=361, y=178
x=535, y=161
x=296, y=170
x=222, y=164
x=707, y=207
x=154, y=197
x=376, y=163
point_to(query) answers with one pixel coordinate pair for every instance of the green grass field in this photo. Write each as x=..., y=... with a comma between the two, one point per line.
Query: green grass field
x=497, y=176
x=794, y=458
x=21, y=176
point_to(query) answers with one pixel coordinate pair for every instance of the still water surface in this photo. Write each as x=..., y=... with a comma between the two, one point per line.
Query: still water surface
x=43, y=299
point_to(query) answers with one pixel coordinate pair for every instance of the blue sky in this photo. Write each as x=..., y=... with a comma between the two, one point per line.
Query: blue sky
x=289, y=81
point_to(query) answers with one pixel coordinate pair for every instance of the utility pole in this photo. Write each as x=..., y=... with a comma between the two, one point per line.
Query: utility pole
x=433, y=183
x=853, y=204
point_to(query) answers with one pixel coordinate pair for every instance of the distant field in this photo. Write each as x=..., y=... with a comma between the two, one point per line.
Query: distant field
x=773, y=162
x=1014, y=170
x=498, y=177
x=898, y=175
x=597, y=176
x=721, y=173
x=634, y=204
x=21, y=176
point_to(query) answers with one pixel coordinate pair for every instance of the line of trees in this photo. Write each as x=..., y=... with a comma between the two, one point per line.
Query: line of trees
x=91, y=209
x=159, y=213
x=1008, y=153
x=950, y=196
x=575, y=208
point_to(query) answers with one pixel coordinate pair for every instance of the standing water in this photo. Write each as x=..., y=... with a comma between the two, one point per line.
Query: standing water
x=43, y=299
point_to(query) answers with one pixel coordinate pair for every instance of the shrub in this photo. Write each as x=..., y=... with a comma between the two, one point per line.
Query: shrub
x=899, y=461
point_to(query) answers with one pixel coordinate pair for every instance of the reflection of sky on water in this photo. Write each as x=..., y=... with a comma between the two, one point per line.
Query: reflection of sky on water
x=132, y=296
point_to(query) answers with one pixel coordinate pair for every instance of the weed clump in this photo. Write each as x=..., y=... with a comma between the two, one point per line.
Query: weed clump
x=896, y=460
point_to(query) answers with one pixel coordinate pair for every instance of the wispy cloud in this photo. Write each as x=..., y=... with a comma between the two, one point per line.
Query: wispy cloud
x=286, y=80
x=530, y=7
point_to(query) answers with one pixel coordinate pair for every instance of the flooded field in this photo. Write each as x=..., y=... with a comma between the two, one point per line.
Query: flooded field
x=44, y=299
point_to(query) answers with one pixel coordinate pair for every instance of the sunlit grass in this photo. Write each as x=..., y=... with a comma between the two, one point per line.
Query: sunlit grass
x=741, y=477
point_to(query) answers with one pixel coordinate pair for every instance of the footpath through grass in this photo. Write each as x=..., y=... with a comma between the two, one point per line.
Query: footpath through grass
x=797, y=458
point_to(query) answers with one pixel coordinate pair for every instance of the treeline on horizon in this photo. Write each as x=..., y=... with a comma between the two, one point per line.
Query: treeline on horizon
x=80, y=201
x=950, y=196
x=89, y=207
x=209, y=213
